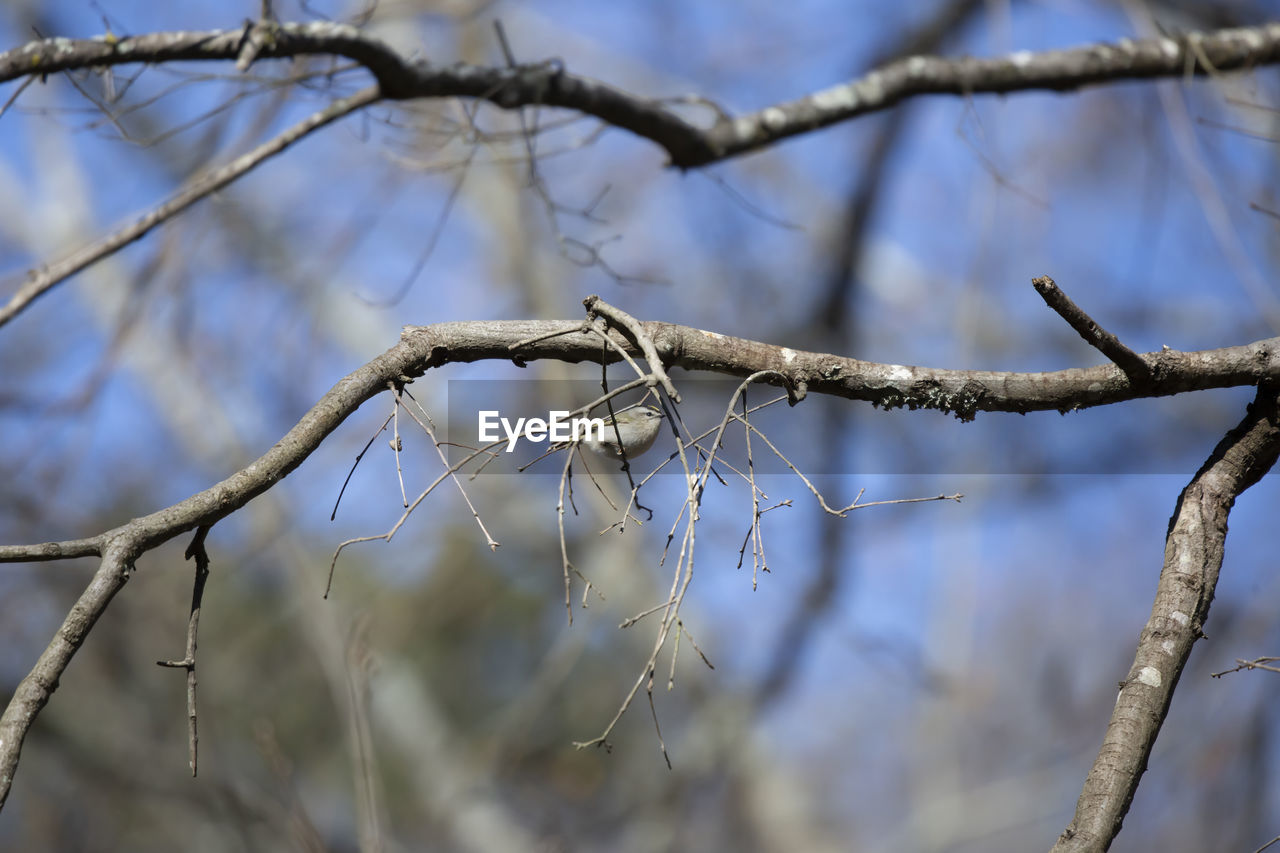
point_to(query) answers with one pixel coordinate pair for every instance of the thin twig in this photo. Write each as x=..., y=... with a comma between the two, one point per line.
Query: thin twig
x=1256, y=663
x=396, y=444
x=355, y=464
x=621, y=319
x=195, y=551
x=42, y=280
x=450, y=472
x=1268, y=844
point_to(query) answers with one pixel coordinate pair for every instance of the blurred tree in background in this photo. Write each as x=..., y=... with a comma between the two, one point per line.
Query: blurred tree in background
x=917, y=677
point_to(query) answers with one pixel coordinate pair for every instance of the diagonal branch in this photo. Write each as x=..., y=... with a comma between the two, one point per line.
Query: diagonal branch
x=123, y=545
x=34, y=691
x=1094, y=335
x=1192, y=560
x=41, y=281
x=547, y=84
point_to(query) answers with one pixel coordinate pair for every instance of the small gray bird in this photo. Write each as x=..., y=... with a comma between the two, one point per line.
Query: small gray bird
x=638, y=427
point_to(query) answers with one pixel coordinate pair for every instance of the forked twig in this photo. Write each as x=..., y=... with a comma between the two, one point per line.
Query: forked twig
x=449, y=473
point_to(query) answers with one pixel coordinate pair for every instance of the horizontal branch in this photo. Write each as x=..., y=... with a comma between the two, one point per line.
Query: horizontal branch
x=421, y=348
x=688, y=146
x=47, y=551
x=963, y=393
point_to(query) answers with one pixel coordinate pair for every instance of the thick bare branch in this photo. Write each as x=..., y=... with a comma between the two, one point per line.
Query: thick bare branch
x=1087, y=327
x=1192, y=560
x=963, y=393
x=34, y=690
x=47, y=551
x=548, y=84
